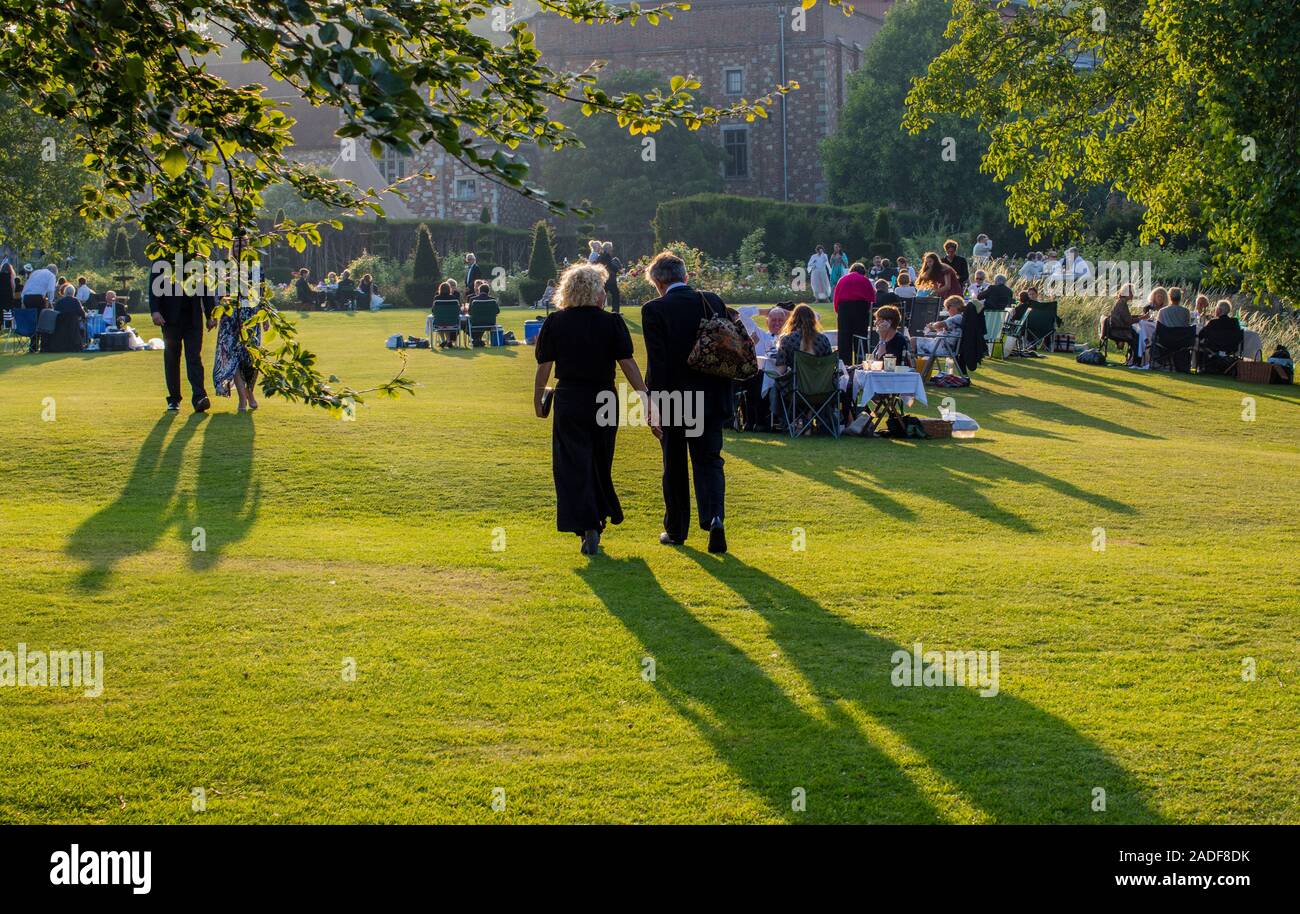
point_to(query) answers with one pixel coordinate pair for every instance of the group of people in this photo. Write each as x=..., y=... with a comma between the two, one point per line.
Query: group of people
x=601, y=253
x=1218, y=335
x=43, y=290
x=582, y=344
x=338, y=290
x=485, y=311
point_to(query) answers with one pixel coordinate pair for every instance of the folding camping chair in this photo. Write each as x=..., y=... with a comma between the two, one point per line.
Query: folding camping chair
x=1033, y=331
x=1110, y=335
x=446, y=319
x=813, y=395
x=923, y=311
x=483, y=316
x=1173, y=348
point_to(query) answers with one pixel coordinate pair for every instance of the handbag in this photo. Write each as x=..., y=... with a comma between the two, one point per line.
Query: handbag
x=722, y=347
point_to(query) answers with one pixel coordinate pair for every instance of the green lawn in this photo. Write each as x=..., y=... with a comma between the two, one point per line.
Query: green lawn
x=522, y=669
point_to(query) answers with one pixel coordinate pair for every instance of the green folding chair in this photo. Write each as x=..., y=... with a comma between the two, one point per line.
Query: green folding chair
x=483, y=316
x=813, y=396
x=446, y=319
x=1036, y=328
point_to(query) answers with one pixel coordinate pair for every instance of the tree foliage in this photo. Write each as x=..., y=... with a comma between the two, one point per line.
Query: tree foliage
x=41, y=176
x=1188, y=107
x=625, y=177
x=189, y=157
x=870, y=158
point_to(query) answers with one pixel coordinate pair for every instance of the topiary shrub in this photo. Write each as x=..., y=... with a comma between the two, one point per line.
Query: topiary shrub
x=541, y=260
x=425, y=272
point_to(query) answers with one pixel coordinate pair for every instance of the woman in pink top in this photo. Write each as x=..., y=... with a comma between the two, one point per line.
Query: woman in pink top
x=853, y=298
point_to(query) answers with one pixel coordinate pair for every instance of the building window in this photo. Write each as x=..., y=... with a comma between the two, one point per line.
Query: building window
x=466, y=189
x=393, y=165
x=733, y=81
x=735, y=151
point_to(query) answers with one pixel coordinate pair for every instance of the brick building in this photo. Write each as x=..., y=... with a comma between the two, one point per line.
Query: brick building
x=735, y=48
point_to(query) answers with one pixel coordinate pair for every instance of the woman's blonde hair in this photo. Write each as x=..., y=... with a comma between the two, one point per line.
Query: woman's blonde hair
x=581, y=286
x=1158, y=293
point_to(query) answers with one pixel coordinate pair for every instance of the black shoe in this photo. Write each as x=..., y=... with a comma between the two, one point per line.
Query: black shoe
x=202, y=405
x=173, y=407
x=591, y=542
x=666, y=540
x=717, y=536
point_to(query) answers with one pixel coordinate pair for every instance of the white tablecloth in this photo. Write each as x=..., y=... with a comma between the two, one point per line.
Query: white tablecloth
x=1146, y=331
x=906, y=384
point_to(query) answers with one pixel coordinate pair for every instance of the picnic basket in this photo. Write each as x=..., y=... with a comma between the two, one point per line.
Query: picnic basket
x=1254, y=372
x=936, y=428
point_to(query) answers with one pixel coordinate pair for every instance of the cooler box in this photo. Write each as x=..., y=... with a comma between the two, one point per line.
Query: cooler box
x=113, y=341
x=531, y=329
x=497, y=337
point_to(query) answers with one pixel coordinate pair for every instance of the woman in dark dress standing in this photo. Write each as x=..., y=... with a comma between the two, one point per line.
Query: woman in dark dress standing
x=583, y=342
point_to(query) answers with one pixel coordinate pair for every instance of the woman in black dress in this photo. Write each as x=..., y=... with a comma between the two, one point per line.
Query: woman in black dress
x=583, y=342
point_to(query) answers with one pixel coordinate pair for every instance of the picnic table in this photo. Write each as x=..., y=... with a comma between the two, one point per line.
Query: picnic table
x=886, y=393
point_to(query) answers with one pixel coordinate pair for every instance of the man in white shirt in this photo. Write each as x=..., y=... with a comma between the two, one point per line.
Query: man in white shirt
x=84, y=291
x=39, y=288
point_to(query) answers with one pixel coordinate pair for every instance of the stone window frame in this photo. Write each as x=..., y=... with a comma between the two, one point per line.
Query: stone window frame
x=743, y=130
x=726, y=89
x=456, y=192
x=393, y=165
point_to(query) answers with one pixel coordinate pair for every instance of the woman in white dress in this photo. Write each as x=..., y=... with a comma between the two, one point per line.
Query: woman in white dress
x=819, y=274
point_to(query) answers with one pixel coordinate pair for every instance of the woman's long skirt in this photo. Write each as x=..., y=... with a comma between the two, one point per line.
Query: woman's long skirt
x=582, y=459
x=232, y=351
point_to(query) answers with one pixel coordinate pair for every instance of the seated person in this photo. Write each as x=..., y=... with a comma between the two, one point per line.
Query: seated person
x=765, y=340
x=346, y=293
x=446, y=295
x=1024, y=301
x=947, y=329
x=366, y=290
x=69, y=335
x=1174, y=314
x=1220, y=340
x=892, y=341
x=884, y=296
x=307, y=296
x=905, y=289
x=482, y=292
x=802, y=333
x=996, y=297
x=1122, y=322
x=548, y=296
x=979, y=282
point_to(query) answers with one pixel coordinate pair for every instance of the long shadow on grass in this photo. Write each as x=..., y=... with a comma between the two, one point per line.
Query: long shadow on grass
x=134, y=521
x=771, y=743
x=224, y=502
x=226, y=497
x=1003, y=755
x=991, y=409
x=952, y=472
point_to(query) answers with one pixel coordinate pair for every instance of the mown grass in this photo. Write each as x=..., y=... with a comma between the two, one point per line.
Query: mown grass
x=523, y=669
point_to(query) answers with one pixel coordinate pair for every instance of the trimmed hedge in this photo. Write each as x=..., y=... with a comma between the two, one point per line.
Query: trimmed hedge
x=717, y=223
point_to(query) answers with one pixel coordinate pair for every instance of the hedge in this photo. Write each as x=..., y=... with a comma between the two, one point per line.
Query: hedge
x=717, y=223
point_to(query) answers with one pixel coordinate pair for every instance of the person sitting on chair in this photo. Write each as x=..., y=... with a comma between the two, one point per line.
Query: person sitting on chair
x=1174, y=314
x=802, y=333
x=996, y=297
x=1220, y=340
x=482, y=292
x=955, y=305
x=892, y=343
x=446, y=338
x=1122, y=322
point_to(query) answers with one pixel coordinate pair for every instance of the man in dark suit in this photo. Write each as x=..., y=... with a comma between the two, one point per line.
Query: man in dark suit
x=180, y=308
x=472, y=275
x=956, y=261
x=670, y=324
x=613, y=266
